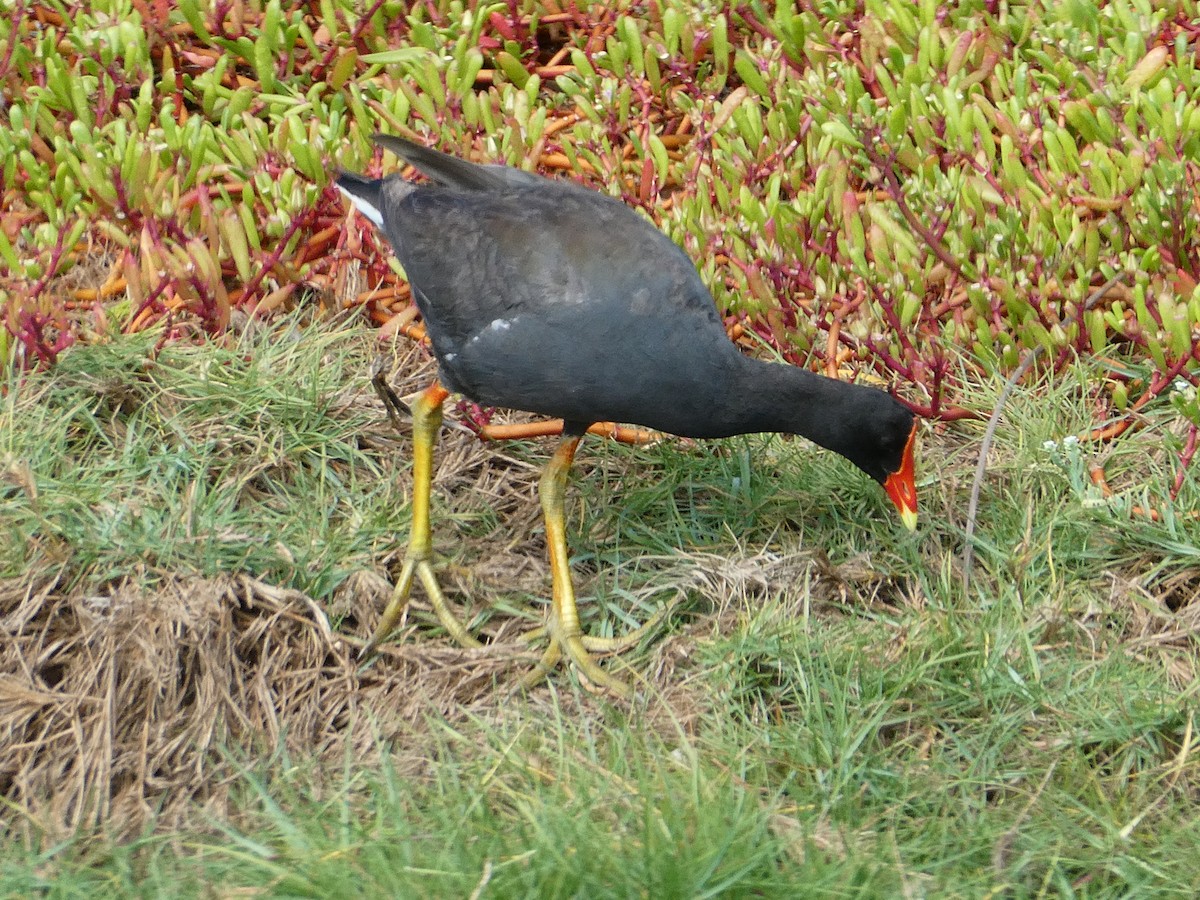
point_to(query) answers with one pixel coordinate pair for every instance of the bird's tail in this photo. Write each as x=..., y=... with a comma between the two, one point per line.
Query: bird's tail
x=448, y=170
x=364, y=193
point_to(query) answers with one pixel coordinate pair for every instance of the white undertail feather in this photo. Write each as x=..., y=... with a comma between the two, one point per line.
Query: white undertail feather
x=364, y=207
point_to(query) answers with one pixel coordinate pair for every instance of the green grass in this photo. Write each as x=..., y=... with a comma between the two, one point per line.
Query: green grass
x=848, y=725
x=146, y=459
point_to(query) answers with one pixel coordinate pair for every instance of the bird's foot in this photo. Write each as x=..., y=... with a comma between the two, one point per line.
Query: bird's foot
x=574, y=649
x=610, y=645
x=418, y=564
x=579, y=648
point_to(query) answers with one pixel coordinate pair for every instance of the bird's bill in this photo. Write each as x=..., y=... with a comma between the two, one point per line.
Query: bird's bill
x=901, y=485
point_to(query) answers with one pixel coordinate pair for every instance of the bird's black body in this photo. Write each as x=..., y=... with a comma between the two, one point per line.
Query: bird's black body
x=544, y=296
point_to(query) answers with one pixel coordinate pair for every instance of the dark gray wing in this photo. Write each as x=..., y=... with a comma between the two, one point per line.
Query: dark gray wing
x=549, y=298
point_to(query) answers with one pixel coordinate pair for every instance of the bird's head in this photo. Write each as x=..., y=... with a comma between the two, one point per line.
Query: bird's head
x=884, y=446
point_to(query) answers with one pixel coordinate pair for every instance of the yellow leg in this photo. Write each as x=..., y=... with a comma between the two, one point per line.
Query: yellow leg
x=566, y=637
x=427, y=419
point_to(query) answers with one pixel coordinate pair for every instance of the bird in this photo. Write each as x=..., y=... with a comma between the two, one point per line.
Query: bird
x=543, y=295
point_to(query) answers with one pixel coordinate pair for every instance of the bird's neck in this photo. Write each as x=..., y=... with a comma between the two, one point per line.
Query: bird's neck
x=776, y=397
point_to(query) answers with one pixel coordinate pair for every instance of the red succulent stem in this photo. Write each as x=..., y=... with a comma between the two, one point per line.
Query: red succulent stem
x=301, y=221
x=151, y=298
x=18, y=13
x=891, y=181
x=1185, y=458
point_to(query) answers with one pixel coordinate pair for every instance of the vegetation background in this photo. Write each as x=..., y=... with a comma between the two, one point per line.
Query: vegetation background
x=195, y=480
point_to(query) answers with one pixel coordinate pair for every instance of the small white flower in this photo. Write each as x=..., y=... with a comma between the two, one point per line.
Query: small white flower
x=1050, y=446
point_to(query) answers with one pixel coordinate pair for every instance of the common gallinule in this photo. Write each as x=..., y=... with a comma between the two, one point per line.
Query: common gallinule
x=545, y=296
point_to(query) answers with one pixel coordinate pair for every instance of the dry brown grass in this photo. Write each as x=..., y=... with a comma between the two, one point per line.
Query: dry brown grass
x=119, y=707
x=119, y=710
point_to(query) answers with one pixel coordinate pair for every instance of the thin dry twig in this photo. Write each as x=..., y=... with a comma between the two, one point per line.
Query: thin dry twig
x=989, y=433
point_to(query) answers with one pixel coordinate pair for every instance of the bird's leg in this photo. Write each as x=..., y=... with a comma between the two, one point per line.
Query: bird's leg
x=427, y=419
x=566, y=637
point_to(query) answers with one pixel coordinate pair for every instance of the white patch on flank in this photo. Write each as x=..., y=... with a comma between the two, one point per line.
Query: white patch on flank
x=496, y=325
x=364, y=207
